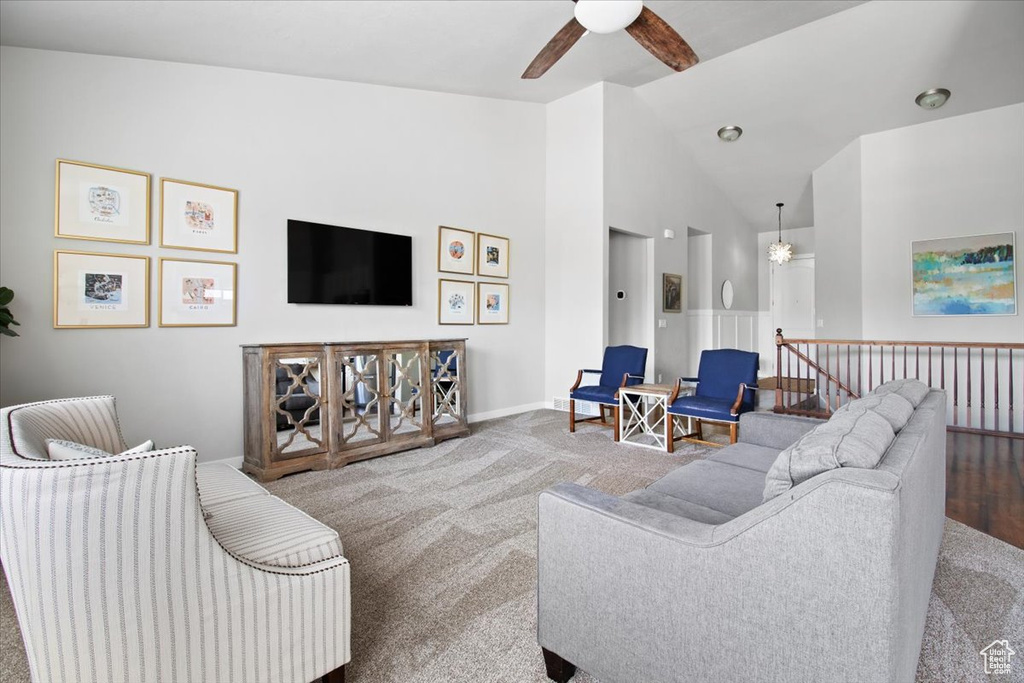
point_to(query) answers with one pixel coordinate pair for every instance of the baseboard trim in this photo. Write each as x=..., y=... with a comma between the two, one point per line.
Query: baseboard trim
x=505, y=412
x=235, y=462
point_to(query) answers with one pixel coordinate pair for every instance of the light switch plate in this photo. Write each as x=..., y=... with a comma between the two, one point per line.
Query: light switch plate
x=662, y=322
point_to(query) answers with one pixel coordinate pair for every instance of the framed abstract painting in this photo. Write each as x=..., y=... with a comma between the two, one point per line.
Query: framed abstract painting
x=101, y=203
x=973, y=275
x=199, y=217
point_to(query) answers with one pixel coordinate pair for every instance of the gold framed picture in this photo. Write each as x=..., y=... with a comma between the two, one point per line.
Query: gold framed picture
x=198, y=217
x=102, y=203
x=197, y=293
x=491, y=255
x=492, y=303
x=455, y=250
x=455, y=302
x=100, y=290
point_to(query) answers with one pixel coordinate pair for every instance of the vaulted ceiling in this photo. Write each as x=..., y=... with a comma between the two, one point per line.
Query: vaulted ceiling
x=801, y=78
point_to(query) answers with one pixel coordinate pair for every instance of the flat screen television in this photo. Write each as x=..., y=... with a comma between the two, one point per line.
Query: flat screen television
x=330, y=264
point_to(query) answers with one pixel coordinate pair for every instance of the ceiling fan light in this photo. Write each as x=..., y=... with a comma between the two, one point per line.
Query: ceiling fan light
x=932, y=99
x=607, y=16
x=730, y=133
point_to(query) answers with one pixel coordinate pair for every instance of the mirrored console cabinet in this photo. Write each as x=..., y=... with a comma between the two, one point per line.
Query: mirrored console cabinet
x=323, y=405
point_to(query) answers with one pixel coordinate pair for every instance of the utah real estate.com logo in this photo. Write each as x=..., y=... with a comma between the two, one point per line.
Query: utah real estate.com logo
x=997, y=657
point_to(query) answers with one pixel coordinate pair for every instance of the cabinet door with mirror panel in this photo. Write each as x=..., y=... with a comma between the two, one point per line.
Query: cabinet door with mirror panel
x=297, y=417
x=404, y=394
x=447, y=387
x=356, y=395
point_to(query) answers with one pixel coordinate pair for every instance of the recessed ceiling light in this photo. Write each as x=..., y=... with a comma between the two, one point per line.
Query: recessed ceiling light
x=932, y=99
x=730, y=133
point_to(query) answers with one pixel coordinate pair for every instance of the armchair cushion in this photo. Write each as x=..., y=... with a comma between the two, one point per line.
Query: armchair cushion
x=705, y=407
x=722, y=370
x=623, y=360
x=219, y=483
x=59, y=449
x=848, y=439
x=597, y=394
x=717, y=486
x=270, y=532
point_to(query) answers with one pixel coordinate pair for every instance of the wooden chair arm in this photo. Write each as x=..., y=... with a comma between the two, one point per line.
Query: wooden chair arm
x=739, y=398
x=675, y=391
x=579, y=378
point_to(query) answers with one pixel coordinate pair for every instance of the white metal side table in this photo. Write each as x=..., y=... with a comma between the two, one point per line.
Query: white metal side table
x=643, y=415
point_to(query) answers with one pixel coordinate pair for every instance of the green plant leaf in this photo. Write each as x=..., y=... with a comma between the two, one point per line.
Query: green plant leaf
x=8, y=332
x=6, y=296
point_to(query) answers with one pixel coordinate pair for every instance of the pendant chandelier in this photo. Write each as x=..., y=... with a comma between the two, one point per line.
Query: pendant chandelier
x=780, y=252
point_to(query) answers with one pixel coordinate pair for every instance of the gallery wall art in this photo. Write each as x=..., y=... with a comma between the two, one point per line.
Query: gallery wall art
x=197, y=216
x=491, y=255
x=455, y=250
x=455, y=302
x=197, y=293
x=492, y=303
x=972, y=275
x=102, y=203
x=100, y=290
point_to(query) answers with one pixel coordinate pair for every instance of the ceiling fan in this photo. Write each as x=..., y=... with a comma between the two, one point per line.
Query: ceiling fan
x=608, y=16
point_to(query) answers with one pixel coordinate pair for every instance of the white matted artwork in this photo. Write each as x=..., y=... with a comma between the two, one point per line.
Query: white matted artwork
x=100, y=290
x=197, y=216
x=101, y=203
x=491, y=255
x=455, y=249
x=197, y=293
x=492, y=303
x=455, y=302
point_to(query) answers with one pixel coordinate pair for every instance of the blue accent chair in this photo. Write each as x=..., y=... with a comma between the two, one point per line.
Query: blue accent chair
x=622, y=366
x=726, y=381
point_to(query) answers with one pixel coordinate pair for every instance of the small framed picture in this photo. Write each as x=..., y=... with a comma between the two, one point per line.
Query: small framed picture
x=197, y=293
x=455, y=249
x=100, y=290
x=492, y=303
x=491, y=255
x=671, y=293
x=197, y=216
x=455, y=302
x=101, y=203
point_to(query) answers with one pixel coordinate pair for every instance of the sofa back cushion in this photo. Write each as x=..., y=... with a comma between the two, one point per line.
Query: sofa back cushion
x=848, y=439
x=914, y=390
x=88, y=421
x=892, y=406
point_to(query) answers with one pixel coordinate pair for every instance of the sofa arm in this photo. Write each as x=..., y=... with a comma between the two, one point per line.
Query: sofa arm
x=774, y=431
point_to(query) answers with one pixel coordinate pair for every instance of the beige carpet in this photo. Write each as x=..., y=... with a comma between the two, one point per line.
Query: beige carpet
x=443, y=549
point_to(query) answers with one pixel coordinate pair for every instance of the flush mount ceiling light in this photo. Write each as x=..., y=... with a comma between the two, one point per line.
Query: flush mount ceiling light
x=778, y=252
x=730, y=133
x=932, y=99
x=607, y=16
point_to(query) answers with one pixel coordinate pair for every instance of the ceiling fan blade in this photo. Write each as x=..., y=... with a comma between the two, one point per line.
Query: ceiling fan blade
x=555, y=49
x=662, y=41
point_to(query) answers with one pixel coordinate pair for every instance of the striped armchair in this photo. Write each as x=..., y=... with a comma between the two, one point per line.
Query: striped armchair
x=143, y=567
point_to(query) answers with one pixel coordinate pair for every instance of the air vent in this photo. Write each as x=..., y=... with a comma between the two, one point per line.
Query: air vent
x=582, y=407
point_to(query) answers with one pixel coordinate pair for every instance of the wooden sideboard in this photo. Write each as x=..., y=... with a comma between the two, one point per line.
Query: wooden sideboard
x=323, y=405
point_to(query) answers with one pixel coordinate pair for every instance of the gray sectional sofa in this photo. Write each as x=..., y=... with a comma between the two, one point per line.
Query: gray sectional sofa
x=801, y=553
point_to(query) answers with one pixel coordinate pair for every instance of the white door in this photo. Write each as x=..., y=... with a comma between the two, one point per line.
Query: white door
x=793, y=298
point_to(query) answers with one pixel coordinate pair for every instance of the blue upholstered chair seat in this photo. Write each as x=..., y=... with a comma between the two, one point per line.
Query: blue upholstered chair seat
x=597, y=394
x=705, y=407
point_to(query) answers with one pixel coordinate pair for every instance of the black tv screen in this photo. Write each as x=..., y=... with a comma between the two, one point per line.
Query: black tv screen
x=333, y=265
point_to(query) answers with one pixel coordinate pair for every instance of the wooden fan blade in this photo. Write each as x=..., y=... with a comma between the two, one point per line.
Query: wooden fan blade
x=555, y=48
x=662, y=41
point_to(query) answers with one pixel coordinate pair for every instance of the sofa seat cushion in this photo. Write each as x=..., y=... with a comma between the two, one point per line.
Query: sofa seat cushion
x=748, y=455
x=704, y=407
x=892, y=406
x=717, y=486
x=677, y=506
x=266, y=530
x=914, y=390
x=596, y=393
x=848, y=439
x=219, y=483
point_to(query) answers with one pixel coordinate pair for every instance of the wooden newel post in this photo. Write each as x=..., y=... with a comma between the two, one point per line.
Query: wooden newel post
x=778, y=369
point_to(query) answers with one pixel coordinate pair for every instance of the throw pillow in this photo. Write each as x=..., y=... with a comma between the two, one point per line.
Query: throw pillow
x=59, y=449
x=849, y=439
x=914, y=390
x=896, y=410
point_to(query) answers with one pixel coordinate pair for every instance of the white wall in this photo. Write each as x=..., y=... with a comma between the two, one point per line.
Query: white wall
x=957, y=176
x=837, y=245
x=628, y=318
x=802, y=240
x=575, y=241
x=364, y=156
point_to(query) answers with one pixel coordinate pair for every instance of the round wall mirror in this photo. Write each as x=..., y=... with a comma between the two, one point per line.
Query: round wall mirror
x=727, y=294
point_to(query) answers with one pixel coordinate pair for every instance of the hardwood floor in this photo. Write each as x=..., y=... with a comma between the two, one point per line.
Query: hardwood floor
x=985, y=484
